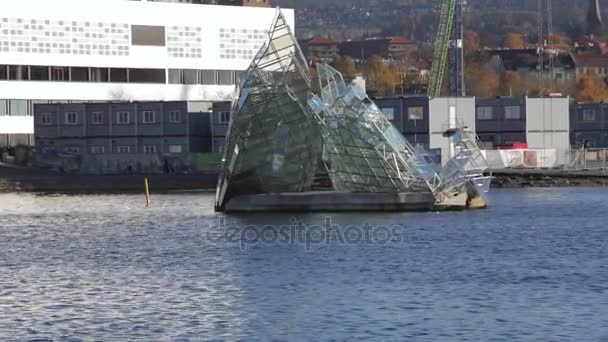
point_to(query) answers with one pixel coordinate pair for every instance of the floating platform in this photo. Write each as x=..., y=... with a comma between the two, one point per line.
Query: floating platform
x=331, y=201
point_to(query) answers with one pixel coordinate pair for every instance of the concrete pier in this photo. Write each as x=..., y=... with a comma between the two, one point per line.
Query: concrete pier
x=329, y=201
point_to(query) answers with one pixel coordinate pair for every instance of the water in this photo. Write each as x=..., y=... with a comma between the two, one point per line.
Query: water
x=532, y=267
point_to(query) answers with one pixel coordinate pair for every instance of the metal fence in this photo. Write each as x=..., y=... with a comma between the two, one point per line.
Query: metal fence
x=587, y=159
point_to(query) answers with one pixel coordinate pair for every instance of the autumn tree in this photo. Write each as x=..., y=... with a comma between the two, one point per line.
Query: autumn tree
x=533, y=88
x=514, y=41
x=483, y=81
x=380, y=77
x=511, y=84
x=591, y=88
x=345, y=65
x=471, y=41
x=559, y=42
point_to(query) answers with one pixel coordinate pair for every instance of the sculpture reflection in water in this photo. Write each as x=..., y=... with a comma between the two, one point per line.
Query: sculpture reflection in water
x=282, y=133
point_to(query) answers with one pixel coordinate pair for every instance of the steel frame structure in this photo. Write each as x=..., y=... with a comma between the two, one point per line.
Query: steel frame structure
x=281, y=129
x=363, y=150
x=273, y=143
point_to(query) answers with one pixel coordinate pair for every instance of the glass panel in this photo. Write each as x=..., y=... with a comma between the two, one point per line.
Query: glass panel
x=3, y=72
x=18, y=72
x=99, y=75
x=118, y=75
x=389, y=113
x=147, y=75
x=415, y=113
x=512, y=113
x=226, y=77
x=176, y=76
x=80, y=74
x=191, y=76
x=209, y=76
x=39, y=73
x=4, y=107
x=60, y=73
x=18, y=107
x=281, y=128
x=485, y=113
x=588, y=115
x=148, y=35
x=272, y=144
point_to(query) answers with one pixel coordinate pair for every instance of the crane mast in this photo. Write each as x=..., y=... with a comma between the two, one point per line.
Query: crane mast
x=448, y=53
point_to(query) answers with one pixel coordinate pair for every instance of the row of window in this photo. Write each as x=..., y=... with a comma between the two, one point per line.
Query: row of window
x=413, y=113
x=510, y=113
x=80, y=74
x=514, y=113
x=122, y=118
x=26, y=107
x=483, y=113
x=595, y=70
x=116, y=75
x=147, y=149
x=18, y=107
x=207, y=77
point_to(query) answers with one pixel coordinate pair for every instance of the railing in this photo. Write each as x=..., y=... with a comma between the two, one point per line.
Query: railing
x=587, y=159
x=574, y=159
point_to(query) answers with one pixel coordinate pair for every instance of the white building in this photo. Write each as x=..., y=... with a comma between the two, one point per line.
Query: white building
x=119, y=50
x=548, y=125
x=447, y=113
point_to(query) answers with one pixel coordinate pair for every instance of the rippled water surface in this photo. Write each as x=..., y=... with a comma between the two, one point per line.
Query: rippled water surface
x=532, y=267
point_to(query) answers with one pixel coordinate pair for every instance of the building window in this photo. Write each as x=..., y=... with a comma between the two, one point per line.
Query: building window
x=415, y=113
x=209, y=77
x=19, y=107
x=46, y=119
x=3, y=72
x=97, y=118
x=119, y=75
x=588, y=115
x=147, y=76
x=98, y=149
x=485, y=113
x=72, y=149
x=389, y=113
x=190, y=76
x=123, y=149
x=149, y=117
x=60, y=73
x=176, y=76
x=512, y=113
x=150, y=149
x=79, y=74
x=71, y=118
x=175, y=148
x=226, y=77
x=99, y=75
x=148, y=35
x=39, y=73
x=18, y=72
x=224, y=117
x=123, y=118
x=175, y=116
